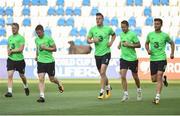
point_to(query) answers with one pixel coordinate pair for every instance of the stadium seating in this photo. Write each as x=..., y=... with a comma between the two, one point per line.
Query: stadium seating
x=147, y=11
x=2, y=32
x=9, y=11
x=94, y=11
x=26, y=11
x=2, y=11
x=60, y=11
x=114, y=21
x=61, y=22
x=70, y=22
x=82, y=31
x=27, y=22
x=60, y=2
x=77, y=11
x=149, y=21
x=2, y=22
x=165, y=2
x=74, y=32
x=132, y=21
x=73, y=19
x=9, y=21
x=106, y=21
x=69, y=11
x=138, y=2
x=130, y=2
x=156, y=2
x=26, y=2
x=86, y=2
x=3, y=42
x=51, y=11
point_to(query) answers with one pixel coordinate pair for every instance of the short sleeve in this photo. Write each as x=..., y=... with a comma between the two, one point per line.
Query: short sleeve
x=90, y=34
x=111, y=31
x=22, y=41
x=135, y=38
x=148, y=38
x=51, y=42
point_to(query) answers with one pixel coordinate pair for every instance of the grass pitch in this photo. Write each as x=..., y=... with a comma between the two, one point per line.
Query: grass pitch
x=80, y=98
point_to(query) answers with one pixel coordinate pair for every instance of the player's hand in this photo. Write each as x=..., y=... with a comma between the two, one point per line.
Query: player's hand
x=172, y=56
x=95, y=40
x=36, y=59
x=126, y=44
x=149, y=52
x=9, y=52
x=43, y=47
x=110, y=44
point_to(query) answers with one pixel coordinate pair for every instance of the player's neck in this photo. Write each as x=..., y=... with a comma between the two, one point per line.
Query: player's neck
x=100, y=25
x=158, y=31
x=14, y=34
x=41, y=36
x=126, y=31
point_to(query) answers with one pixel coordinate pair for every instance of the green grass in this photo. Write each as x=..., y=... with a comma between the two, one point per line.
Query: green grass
x=80, y=98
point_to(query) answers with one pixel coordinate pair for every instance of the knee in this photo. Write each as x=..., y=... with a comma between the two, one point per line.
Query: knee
x=41, y=79
x=103, y=74
x=123, y=78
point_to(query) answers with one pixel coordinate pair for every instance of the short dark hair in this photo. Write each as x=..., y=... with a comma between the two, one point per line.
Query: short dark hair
x=16, y=24
x=125, y=22
x=159, y=19
x=39, y=27
x=99, y=14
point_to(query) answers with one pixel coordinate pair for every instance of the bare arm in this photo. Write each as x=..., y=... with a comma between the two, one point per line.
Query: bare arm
x=119, y=46
x=172, y=49
x=147, y=48
x=132, y=45
x=36, y=53
x=51, y=48
x=20, y=49
x=112, y=40
x=90, y=40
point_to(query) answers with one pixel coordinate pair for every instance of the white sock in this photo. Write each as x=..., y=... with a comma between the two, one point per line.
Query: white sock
x=108, y=87
x=139, y=89
x=157, y=96
x=102, y=91
x=125, y=92
x=9, y=90
x=42, y=95
x=25, y=86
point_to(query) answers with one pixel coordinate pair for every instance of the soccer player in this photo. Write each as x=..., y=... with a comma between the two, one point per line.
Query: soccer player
x=157, y=41
x=45, y=61
x=100, y=35
x=128, y=42
x=15, y=61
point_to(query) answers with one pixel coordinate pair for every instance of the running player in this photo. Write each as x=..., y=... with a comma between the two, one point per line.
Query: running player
x=15, y=61
x=128, y=42
x=100, y=35
x=157, y=41
x=45, y=61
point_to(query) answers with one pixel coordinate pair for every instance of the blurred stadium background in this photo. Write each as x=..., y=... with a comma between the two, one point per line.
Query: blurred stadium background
x=70, y=20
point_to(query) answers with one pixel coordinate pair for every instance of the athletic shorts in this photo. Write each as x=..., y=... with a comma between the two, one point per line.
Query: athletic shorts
x=48, y=68
x=132, y=65
x=102, y=60
x=156, y=66
x=16, y=65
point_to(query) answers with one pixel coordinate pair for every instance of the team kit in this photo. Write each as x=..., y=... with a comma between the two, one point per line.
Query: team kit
x=102, y=37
